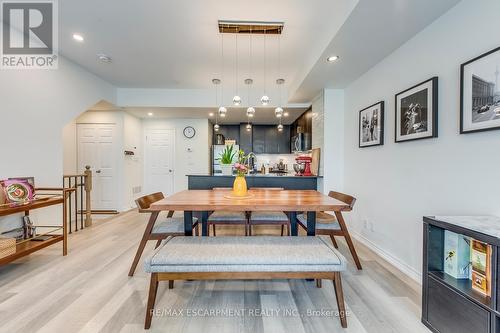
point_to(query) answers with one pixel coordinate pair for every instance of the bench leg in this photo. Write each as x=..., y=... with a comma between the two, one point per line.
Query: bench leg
x=339, y=294
x=333, y=241
x=153, y=288
x=157, y=243
x=318, y=283
x=170, y=284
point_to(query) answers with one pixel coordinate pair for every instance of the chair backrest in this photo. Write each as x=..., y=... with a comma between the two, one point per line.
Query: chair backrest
x=350, y=200
x=268, y=188
x=143, y=203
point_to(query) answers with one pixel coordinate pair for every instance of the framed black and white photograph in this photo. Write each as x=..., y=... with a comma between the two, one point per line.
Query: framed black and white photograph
x=480, y=93
x=371, y=125
x=417, y=112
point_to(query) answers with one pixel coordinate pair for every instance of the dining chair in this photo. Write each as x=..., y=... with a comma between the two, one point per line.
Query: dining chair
x=269, y=218
x=332, y=226
x=226, y=217
x=169, y=226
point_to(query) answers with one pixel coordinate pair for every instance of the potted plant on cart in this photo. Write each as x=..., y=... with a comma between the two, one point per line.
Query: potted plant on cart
x=226, y=160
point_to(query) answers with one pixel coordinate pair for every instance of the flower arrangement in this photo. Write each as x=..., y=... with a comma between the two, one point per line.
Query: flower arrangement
x=240, y=166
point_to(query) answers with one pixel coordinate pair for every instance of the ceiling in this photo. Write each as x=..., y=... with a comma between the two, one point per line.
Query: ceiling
x=176, y=44
x=234, y=115
x=373, y=30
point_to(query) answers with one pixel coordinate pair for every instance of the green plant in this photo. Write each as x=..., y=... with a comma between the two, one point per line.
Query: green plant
x=227, y=155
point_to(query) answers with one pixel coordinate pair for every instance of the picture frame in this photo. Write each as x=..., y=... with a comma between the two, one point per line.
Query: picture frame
x=416, y=112
x=480, y=93
x=371, y=125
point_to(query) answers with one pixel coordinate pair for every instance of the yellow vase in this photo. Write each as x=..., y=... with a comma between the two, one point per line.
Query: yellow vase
x=240, y=187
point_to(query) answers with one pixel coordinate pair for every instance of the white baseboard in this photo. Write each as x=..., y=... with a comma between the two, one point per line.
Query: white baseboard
x=398, y=264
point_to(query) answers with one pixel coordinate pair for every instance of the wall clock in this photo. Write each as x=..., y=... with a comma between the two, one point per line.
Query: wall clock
x=189, y=132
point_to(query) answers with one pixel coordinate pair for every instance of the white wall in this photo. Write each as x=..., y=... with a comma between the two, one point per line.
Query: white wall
x=35, y=105
x=397, y=184
x=333, y=152
x=186, y=162
x=133, y=165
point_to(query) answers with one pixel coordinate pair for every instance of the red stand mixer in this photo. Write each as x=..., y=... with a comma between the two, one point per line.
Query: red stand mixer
x=303, y=165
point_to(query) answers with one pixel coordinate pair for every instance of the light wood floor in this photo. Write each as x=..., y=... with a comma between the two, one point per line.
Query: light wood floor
x=89, y=291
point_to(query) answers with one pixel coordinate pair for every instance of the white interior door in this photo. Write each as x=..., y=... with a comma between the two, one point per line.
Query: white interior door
x=159, y=161
x=97, y=148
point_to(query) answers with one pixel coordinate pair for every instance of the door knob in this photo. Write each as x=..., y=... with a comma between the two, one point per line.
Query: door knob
x=169, y=170
x=98, y=171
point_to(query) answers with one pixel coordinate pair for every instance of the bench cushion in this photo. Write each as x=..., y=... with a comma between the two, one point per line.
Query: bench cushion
x=245, y=254
x=269, y=216
x=171, y=225
x=223, y=216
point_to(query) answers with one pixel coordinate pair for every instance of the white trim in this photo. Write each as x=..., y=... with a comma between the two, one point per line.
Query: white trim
x=398, y=264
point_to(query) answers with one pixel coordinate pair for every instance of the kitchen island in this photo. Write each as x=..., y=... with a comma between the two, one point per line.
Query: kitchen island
x=288, y=182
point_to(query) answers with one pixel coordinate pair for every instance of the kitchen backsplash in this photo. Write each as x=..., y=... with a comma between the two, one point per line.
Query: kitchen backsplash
x=273, y=159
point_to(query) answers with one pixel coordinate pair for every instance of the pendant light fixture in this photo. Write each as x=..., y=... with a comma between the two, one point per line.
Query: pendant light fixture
x=248, y=82
x=279, y=110
x=222, y=109
x=236, y=98
x=265, y=100
x=216, y=82
x=250, y=109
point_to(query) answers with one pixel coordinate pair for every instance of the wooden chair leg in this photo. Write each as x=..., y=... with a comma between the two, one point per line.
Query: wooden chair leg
x=249, y=230
x=144, y=240
x=289, y=229
x=318, y=283
x=339, y=295
x=197, y=230
x=213, y=225
x=348, y=239
x=282, y=230
x=158, y=243
x=153, y=288
x=170, y=284
x=334, y=241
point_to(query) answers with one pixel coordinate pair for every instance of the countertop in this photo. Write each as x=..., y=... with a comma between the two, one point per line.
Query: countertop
x=488, y=225
x=259, y=175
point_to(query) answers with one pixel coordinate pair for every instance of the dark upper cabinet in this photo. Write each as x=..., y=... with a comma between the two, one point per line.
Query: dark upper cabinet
x=259, y=139
x=246, y=139
x=230, y=132
x=262, y=139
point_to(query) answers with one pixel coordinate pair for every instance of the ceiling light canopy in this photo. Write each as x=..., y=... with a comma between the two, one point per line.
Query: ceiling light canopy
x=250, y=27
x=332, y=58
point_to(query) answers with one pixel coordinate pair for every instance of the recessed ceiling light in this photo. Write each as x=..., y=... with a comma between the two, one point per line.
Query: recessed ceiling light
x=211, y=114
x=332, y=58
x=104, y=58
x=78, y=37
x=151, y=114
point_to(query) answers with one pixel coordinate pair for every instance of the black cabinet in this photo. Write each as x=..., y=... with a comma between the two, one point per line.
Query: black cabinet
x=230, y=132
x=268, y=140
x=450, y=304
x=246, y=139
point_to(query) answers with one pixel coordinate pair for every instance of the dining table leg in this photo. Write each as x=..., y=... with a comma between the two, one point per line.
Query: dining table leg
x=293, y=223
x=311, y=223
x=188, y=223
x=204, y=223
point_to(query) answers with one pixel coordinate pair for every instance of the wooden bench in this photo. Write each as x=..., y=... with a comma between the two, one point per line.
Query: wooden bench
x=244, y=258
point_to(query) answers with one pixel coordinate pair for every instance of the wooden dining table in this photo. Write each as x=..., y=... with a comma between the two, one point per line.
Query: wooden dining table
x=292, y=202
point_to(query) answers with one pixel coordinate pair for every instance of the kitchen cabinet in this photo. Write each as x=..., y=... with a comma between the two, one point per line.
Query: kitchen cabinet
x=303, y=124
x=230, y=132
x=246, y=139
x=259, y=139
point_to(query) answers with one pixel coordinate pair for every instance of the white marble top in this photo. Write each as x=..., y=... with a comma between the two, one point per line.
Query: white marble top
x=488, y=225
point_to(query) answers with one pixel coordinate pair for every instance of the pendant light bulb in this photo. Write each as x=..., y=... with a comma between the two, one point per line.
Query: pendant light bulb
x=216, y=127
x=278, y=112
x=280, y=127
x=237, y=100
x=250, y=112
x=249, y=127
x=222, y=111
x=265, y=100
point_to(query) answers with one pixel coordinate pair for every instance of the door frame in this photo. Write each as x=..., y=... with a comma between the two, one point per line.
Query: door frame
x=117, y=166
x=147, y=131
